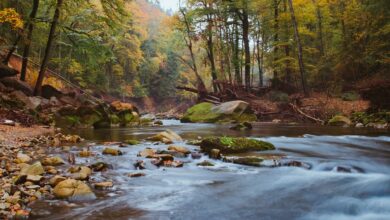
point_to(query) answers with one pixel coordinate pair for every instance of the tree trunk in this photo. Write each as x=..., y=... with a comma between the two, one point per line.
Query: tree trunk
x=41, y=76
x=300, y=55
x=12, y=50
x=27, y=45
x=236, y=60
x=210, y=52
x=200, y=84
x=259, y=63
x=276, y=36
x=245, y=38
x=287, y=47
x=319, y=21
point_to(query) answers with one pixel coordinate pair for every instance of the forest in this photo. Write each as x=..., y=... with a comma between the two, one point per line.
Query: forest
x=101, y=101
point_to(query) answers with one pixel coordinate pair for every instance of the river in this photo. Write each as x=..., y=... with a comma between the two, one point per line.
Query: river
x=347, y=176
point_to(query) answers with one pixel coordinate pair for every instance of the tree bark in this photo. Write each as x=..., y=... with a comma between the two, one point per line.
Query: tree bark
x=319, y=23
x=210, y=52
x=27, y=45
x=299, y=45
x=12, y=50
x=245, y=38
x=276, y=36
x=236, y=60
x=41, y=76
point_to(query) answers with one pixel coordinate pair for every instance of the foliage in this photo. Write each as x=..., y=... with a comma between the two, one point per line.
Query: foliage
x=9, y=15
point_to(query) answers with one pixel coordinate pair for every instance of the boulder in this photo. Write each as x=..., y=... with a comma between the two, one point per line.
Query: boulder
x=215, y=154
x=228, y=111
x=113, y=152
x=163, y=157
x=340, y=120
x=49, y=91
x=179, y=149
x=167, y=137
x=22, y=158
x=6, y=71
x=35, y=101
x=53, y=161
x=234, y=145
x=80, y=172
x=54, y=181
x=118, y=106
x=34, y=169
x=148, y=152
x=73, y=190
x=19, y=95
x=17, y=85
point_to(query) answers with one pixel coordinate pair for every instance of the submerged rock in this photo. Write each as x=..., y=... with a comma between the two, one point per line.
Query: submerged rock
x=103, y=185
x=100, y=166
x=205, y=163
x=228, y=111
x=74, y=190
x=234, y=145
x=248, y=161
x=179, y=149
x=196, y=155
x=242, y=126
x=133, y=175
x=132, y=142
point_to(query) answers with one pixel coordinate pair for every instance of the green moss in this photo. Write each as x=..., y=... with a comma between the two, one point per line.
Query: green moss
x=114, y=119
x=201, y=113
x=350, y=96
x=339, y=120
x=234, y=145
x=382, y=117
x=132, y=142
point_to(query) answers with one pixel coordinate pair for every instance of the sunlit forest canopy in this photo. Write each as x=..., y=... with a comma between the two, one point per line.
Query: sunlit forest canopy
x=146, y=48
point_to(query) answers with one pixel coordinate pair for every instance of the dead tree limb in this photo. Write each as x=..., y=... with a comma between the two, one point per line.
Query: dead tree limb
x=306, y=115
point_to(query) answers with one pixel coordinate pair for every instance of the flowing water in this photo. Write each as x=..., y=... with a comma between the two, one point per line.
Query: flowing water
x=348, y=178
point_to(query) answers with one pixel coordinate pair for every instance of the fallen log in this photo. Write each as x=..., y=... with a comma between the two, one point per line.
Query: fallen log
x=295, y=108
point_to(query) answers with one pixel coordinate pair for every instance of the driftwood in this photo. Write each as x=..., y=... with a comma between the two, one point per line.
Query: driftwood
x=306, y=115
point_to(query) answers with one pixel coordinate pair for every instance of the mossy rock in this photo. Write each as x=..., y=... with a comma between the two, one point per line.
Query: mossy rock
x=201, y=113
x=247, y=161
x=128, y=119
x=114, y=119
x=132, y=142
x=208, y=113
x=234, y=145
x=339, y=120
